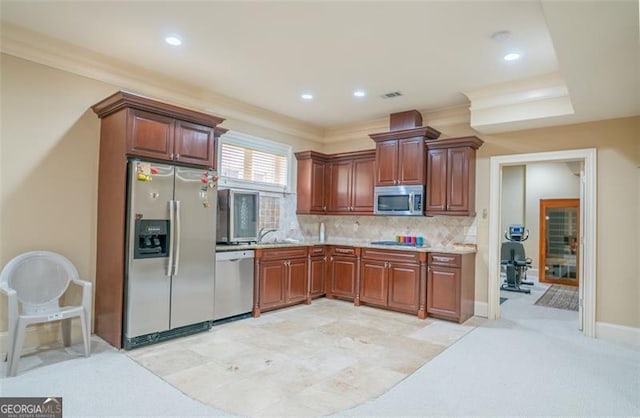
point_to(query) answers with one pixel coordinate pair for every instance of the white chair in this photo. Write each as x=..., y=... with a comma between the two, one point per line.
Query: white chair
x=34, y=283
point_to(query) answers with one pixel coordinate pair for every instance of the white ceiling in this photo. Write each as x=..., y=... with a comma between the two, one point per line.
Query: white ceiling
x=266, y=53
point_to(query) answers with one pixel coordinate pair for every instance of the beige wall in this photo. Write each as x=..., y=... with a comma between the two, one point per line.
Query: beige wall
x=618, y=156
x=513, y=196
x=618, y=147
x=49, y=164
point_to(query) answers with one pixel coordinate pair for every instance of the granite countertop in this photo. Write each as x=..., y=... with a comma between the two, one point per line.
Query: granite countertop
x=454, y=249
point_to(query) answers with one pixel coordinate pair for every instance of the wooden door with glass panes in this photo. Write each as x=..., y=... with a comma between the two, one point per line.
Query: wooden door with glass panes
x=559, y=241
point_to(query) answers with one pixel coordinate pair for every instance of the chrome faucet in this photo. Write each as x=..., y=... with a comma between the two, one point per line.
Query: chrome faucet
x=264, y=232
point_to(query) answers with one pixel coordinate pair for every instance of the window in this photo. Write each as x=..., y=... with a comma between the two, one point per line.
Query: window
x=254, y=163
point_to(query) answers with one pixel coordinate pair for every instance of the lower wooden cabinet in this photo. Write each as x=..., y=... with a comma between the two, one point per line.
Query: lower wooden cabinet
x=343, y=272
x=441, y=285
x=317, y=271
x=272, y=277
x=296, y=279
x=404, y=287
x=374, y=282
x=281, y=278
x=394, y=280
x=451, y=286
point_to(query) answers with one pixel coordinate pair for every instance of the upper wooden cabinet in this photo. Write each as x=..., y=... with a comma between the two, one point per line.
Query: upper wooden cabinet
x=336, y=183
x=400, y=156
x=350, y=180
x=161, y=131
x=311, y=186
x=451, y=168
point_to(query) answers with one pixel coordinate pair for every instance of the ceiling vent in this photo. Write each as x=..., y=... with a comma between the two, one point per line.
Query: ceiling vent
x=391, y=95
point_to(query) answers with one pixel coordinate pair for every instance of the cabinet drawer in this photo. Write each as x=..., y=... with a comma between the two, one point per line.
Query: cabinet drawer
x=448, y=260
x=284, y=253
x=317, y=250
x=386, y=255
x=343, y=251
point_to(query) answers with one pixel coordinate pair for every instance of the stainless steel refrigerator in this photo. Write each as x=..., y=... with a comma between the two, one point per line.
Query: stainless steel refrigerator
x=171, y=252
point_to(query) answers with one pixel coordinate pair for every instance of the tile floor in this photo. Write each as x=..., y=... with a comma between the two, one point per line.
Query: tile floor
x=313, y=359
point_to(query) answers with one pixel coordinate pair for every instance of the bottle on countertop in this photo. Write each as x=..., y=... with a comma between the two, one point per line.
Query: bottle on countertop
x=321, y=235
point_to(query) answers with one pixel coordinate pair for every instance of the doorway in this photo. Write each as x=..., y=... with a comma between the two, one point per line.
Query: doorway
x=559, y=241
x=586, y=250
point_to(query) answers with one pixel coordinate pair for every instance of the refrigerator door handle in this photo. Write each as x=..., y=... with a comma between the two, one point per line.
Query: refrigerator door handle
x=176, y=261
x=172, y=236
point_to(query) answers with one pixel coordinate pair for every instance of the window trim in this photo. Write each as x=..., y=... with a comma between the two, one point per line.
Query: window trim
x=259, y=144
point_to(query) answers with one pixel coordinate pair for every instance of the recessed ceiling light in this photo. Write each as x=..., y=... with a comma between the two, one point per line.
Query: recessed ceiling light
x=512, y=56
x=359, y=93
x=307, y=96
x=173, y=40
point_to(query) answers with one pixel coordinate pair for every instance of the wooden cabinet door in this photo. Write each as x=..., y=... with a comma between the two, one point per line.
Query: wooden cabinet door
x=362, y=190
x=387, y=163
x=318, y=203
x=340, y=187
x=404, y=287
x=443, y=292
x=436, y=180
x=150, y=135
x=342, y=280
x=411, y=159
x=195, y=144
x=318, y=273
x=272, y=284
x=296, y=280
x=458, y=179
x=373, y=282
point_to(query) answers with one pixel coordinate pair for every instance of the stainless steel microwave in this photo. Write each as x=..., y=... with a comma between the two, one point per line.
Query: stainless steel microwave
x=399, y=200
x=238, y=216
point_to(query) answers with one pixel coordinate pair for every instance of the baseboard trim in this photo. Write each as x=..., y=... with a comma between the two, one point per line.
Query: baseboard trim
x=618, y=333
x=481, y=309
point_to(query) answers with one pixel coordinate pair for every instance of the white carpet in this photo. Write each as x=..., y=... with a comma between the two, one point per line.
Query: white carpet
x=533, y=361
x=107, y=383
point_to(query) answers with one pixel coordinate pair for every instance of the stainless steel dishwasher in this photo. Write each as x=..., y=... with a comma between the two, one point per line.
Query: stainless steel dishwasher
x=233, y=284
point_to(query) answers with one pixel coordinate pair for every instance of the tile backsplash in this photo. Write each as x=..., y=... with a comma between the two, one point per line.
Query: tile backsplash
x=438, y=231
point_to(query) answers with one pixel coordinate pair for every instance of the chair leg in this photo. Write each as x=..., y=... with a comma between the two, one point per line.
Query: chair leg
x=66, y=332
x=12, y=366
x=86, y=334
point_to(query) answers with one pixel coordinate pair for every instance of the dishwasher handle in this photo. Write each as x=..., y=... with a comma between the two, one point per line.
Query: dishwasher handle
x=234, y=255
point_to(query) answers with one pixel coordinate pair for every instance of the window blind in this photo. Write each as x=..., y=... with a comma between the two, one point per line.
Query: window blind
x=250, y=159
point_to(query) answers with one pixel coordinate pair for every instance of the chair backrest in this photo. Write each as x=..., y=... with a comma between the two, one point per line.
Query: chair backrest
x=518, y=251
x=39, y=278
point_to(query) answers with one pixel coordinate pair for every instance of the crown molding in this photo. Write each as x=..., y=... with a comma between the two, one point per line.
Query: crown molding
x=439, y=119
x=57, y=54
x=523, y=102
